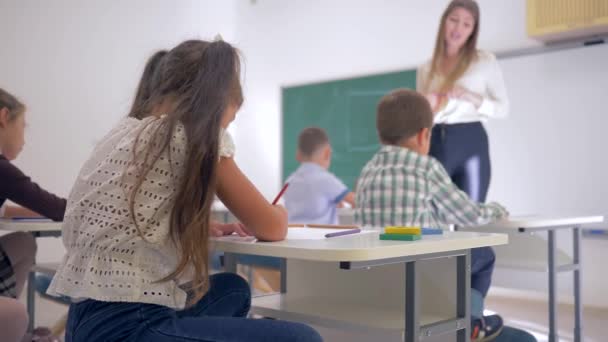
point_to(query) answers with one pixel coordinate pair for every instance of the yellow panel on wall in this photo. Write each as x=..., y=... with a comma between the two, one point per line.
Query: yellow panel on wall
x=564, y=19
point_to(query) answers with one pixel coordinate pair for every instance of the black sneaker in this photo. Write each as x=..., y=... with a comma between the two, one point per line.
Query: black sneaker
x=486, y=328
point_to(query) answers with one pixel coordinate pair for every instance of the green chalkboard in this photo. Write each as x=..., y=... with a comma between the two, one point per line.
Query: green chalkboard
x=346, y=109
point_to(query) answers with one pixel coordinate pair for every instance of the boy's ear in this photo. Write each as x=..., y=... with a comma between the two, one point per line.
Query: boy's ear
x=423, y=136
x=299, y=156
x=4, y=117
x=327, y=152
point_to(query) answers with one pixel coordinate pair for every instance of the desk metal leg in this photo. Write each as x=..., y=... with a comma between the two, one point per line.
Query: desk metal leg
x=578, y=306
x=31, y=292
x=552, y=285
x=283, y=271
x=412, y=305
x=463, y=295
x=31, y=300
x=230, y=262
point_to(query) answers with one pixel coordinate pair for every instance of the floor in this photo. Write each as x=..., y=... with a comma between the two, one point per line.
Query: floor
x=524, y=314
x=532, y=316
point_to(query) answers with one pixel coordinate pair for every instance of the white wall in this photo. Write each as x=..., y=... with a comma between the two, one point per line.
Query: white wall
x=76, y=65
x=550, y=155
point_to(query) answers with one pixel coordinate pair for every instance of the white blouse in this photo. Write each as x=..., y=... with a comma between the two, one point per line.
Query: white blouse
x=483, y=77
x=106, y=258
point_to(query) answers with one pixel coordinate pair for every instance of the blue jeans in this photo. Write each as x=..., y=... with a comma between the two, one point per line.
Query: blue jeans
x=218, y=316
x=510, y=334
x=463, y=150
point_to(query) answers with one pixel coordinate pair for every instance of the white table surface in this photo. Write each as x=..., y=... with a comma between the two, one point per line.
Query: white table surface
x=362, y=247
x=535, y=223
x=30, y=225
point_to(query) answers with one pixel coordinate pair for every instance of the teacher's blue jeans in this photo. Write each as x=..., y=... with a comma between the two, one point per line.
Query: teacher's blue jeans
x=218, y=316
x=463, y=150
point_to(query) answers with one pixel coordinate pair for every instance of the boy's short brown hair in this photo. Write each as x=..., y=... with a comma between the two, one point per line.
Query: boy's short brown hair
x=401, y=114
x=310, y=140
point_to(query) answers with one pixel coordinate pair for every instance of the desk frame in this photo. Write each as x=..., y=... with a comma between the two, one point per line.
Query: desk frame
x=553, y=269
x=414, y=332
x=31, y=279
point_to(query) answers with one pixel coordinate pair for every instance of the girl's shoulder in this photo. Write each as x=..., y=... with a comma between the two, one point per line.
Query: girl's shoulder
x=148, y=127
x=8, y=171
x=484, y=63
x=485, y=57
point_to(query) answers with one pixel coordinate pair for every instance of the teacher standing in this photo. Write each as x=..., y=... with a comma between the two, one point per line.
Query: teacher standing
x=465, y=88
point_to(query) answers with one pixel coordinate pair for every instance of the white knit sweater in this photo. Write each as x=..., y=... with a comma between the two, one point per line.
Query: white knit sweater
x=106, y=258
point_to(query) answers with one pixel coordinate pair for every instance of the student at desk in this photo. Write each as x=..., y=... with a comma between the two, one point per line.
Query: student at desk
x=402, y=186
x=314, y=193
x=18, y=250
x=138, y=223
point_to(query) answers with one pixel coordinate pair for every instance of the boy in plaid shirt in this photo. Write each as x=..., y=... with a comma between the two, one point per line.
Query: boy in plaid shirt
x=402, y=186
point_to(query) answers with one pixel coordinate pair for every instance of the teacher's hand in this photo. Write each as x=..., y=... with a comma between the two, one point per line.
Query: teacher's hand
x=462, y=93
x=436, y=100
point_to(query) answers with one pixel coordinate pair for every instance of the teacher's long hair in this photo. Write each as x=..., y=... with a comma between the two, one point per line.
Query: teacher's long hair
x=468, y=53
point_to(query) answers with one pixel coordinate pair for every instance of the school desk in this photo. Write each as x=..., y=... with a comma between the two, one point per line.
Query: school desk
x=362, y=284
x=529, y=225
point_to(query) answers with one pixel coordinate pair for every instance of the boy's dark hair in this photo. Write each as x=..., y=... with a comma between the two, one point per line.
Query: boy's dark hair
x=10, y=102
x=401, y=114
x=310, y=140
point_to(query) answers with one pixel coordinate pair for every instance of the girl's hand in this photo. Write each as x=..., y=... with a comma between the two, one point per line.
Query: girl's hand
x=462, y=93
x=221, y=229
x=281, y=209
x=433, y=99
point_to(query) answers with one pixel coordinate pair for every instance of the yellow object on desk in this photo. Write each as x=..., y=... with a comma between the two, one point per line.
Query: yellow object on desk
x=403, y=230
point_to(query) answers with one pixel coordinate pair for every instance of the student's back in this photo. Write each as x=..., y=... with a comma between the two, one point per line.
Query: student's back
x=138, y=222
x=401, y=185
x=314, y=193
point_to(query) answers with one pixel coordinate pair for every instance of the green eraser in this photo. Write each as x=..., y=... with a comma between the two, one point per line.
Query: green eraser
x=400, y=237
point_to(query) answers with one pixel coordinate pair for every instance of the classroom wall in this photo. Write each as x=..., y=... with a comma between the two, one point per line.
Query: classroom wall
x=76, y=65
x=550, y=155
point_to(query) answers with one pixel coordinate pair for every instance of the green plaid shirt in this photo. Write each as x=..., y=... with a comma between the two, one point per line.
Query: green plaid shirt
x=403, y=188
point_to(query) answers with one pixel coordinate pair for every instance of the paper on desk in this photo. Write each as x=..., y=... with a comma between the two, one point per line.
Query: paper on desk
x=316, y=233
x=296, y=234
x=237, y=238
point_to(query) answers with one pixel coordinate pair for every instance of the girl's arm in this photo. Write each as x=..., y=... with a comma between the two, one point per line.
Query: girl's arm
x=265, y=221
x=15, y=211
x=19, y=188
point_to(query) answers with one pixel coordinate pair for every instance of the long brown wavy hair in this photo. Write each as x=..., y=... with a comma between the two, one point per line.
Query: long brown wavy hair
x=199, y=80
x=147, y=83
x=468, y=53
